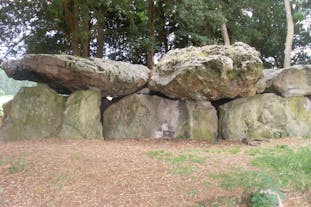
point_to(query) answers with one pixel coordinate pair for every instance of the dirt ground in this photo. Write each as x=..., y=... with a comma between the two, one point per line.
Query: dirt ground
x=54, y=172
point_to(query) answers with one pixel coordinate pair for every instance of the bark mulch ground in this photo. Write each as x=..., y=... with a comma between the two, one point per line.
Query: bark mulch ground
x=54, y=172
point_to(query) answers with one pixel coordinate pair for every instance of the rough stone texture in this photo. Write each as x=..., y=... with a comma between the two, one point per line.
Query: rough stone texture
x=81, y=118
x=33, y=113
x=145, y=116
x=265, y=116
x=67, y=74
x=293, y=81
x=208, y=73
x=265, y=82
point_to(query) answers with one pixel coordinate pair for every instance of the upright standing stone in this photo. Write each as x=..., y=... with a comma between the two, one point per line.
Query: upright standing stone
x=81, y=118
x=146, y=116
x=265, y=116
x=34, y=113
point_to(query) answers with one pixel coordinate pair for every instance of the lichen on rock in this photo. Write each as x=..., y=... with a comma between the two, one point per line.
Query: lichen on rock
x=265, y=116
x=146, y=116
x=208, y=73
x=34, y=113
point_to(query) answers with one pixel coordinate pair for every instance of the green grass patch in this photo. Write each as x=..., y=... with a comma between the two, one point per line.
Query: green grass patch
x=246, y=179
x=234, y=150
x=60, y=180
x=278, y=168
x=279, y=149
x=180, y=158
x=183, y=162
x=292, y=168
x=16, y=164
x=220, y=201
x=182, y=171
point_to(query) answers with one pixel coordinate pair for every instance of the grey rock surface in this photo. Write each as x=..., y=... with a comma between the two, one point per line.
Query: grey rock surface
x=34, y=113
x=208, y=73
x=67, y=74
x=293, y=81
x=81, y=117
x=265, y=116
x=146, y=116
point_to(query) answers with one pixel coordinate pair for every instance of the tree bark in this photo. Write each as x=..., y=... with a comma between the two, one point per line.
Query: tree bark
x=225, y=34
x=100, y=39
x=85, y=37
x=290, y=34
x=74, y=25
x=150, y=50
x=71, y=19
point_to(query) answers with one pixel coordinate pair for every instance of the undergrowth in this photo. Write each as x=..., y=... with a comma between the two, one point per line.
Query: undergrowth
x=278, y=168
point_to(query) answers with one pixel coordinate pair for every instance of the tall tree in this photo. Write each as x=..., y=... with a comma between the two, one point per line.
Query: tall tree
x=225, y=34
x=150, y=48
x=290, y=34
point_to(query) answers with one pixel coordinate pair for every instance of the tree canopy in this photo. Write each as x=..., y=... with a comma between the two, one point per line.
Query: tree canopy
x=141, y=30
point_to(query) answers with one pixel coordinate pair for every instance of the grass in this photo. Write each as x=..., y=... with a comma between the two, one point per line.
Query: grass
x=182, y=171
x=16, y=164
x=220, y=202
x=246, y=179
x=292, y=168
x=278, y=168
x=182, y=162
x=60, y=180
x=182, y=157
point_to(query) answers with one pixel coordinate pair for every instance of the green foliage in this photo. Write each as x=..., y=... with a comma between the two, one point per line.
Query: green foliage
x=198, y=22
x=48, y=27
x=264, y=199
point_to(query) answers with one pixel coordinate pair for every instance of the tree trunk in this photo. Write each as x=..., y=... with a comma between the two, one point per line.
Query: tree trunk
x=225, y=34
x=150, y=50
x=100, y=40
x=71, y=19
x=85, y=38
x=75, y=31
x=290, y=34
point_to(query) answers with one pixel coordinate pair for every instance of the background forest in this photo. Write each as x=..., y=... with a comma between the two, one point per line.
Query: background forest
x=141, y=31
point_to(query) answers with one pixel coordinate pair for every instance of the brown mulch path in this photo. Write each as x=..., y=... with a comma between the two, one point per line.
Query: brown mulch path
x=54, y=172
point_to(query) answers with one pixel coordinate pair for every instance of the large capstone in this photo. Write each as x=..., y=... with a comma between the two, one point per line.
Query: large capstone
x=146, y=116
x=208, y=73
x=67, y=74
x=265, y=116
x=81, y=118
x=293, y=81
x=34, y=113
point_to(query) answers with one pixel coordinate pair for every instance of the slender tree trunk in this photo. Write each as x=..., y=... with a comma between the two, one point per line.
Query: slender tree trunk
x=225, y=34
x=100, y=40
x=75, y=31
x=85, y=39
x=71, y=15
x=290, y=34
x=150, y=50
